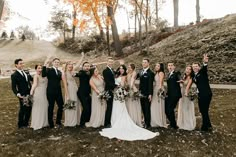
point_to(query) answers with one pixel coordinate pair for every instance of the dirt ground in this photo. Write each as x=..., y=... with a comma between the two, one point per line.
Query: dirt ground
x=87, y=142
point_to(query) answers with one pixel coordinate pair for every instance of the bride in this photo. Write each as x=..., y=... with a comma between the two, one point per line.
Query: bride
x=122, y=126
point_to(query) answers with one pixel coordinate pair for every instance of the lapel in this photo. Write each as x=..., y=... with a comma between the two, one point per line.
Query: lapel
x=110, y=70
x=171, y=75
x=143, y=72
x=21, y=76
x=196, y=77
x=55, y=73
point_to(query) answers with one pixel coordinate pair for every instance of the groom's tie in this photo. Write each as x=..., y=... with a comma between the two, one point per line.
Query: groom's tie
x=56, y=71
x=23, y=75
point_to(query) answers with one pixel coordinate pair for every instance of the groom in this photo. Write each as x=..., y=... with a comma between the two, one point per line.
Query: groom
x=109, y=78
x=20, y=81
x=54, y=92
x=173, y=94
x=204, y=92
x=146, y=77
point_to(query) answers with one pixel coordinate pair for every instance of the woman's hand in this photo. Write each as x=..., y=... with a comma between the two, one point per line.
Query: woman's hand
x=98, y=92
x=186, y=93
x=205, y=58
x=67, y=96
x=180, y=81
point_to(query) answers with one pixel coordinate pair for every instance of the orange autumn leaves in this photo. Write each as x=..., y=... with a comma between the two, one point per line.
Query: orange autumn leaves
x=90, y=11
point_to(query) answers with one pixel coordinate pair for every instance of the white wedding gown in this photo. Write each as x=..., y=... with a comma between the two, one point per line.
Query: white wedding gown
x=122, y=126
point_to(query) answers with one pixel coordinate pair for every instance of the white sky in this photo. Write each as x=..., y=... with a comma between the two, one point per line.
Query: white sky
x=38, y=12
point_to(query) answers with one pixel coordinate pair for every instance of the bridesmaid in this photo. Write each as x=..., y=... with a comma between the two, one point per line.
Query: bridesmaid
x=40, y=104
x=158, y=117
x=133, y=106
x=98, y=106
x=72, y=117
x=186, y=114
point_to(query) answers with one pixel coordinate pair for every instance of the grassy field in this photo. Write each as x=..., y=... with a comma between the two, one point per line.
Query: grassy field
x=88, y=142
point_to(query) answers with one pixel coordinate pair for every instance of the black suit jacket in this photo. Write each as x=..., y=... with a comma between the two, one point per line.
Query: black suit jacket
x=173, y=87
x=202, y=82
x=109, y=79
x=54, y=80
x=19, y=83
x=146, y=82
x=84, y=87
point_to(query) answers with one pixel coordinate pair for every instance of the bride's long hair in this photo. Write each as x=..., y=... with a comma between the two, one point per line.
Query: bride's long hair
x=125, y=70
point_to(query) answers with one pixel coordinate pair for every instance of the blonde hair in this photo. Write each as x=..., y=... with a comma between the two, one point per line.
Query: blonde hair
x=66, y=65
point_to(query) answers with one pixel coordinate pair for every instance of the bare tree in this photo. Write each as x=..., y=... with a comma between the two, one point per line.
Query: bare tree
x=176, y=13
x=198, y=11
x=115, y=35
x=157, y=16
x=1, y=7
x=147, y=21
x=135, y=24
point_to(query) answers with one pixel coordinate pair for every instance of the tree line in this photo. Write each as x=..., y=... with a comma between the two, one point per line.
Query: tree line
x=101, y=13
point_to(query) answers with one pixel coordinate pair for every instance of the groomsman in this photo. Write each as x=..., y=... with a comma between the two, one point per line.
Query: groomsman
x=146, y=77
x=109, y=79
x=173, y=94
x=21, y=86
x=204, y=92
x=54, y=92
x=84, y=93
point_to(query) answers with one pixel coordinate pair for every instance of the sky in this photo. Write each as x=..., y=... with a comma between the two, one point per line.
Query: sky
x=38, y=12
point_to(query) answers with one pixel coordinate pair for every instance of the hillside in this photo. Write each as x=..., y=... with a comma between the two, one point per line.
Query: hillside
x=216, y=37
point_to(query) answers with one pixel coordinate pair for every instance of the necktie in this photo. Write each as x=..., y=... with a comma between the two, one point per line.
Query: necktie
x=23, y=75
x=56, y=71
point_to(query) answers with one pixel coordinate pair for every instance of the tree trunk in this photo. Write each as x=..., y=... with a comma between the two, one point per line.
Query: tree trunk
x=97, y=19
x=1, y=8
x=115, y=35
x=140, y=27
x=156, y=13
x=176, y=12
x=108, y=40
x=146, y=25
x=127, y=13
x=73, y=28
x=135, y=25
x=198, y=11
x=64, y=32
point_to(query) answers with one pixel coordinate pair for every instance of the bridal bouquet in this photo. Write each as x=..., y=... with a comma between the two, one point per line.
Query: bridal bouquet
x=120, y=94
x=192, y=94
x=70, y=105
x=28, y=100
x=136, y=95
x=102, y=96
x=161, y=93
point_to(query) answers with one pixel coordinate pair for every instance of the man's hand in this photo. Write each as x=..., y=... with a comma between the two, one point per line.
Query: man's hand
x=150, y=98
x=205, y=58
x=19, y=96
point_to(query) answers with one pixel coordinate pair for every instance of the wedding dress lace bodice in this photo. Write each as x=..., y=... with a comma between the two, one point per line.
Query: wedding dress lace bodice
x=118, y=81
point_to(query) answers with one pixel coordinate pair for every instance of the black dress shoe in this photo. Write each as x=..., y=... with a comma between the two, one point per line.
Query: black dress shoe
x=146, y=126
x=204, y=129
x=82, y=126
x=51, y=126
x=107, y=126
x=173, y=127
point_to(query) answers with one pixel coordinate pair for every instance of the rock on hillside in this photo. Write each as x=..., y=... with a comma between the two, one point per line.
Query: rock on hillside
x=215, y=37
